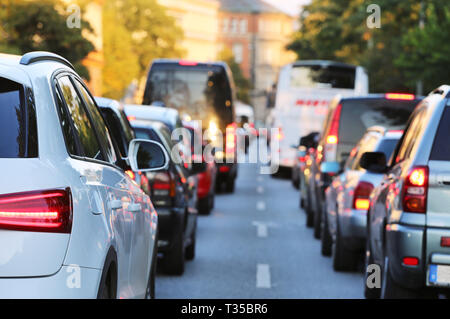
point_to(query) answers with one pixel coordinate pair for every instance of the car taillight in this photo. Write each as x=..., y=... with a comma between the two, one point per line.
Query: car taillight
x=163, y=185
x=38, y=211
x=361, y=196
x=415, y=190
x=330, y=150
x=400, y=96
x=131, y=174
x=230, y=142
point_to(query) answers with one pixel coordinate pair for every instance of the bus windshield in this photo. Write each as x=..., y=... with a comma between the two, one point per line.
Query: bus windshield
x=323, y=76
x=201, y=92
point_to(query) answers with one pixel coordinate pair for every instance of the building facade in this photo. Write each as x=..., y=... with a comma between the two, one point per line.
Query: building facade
x=199, y=21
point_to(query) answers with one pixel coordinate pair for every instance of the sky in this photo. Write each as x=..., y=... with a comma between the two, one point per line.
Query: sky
x=289, y=6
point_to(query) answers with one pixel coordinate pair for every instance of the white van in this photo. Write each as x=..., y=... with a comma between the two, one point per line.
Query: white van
x=305, y=89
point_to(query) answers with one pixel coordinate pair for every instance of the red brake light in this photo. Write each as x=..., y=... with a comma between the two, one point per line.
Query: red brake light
x=40, y=211
x=224, y=169
x=445, y=241
x=163, y=185
x=333, y=133
x=187, y=63
x=411, y=261
x=400, y=96
x=361, y=196
x=415, y=190
x=230, y=143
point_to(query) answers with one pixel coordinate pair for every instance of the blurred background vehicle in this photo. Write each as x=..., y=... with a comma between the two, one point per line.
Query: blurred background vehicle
x=346, y=122
x=122, y=134
x=207, y=178
x=245, y=120
x=203, y=92
x=67, y=189
x=304, y=91
x=306, y=144
x=344, y=220
x=174, y=194
x=408, y=218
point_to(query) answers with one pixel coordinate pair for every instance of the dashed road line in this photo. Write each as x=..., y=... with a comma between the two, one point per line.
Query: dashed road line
x=262, y=230
x=263, y=276
x=260, y=189
x=261, y=205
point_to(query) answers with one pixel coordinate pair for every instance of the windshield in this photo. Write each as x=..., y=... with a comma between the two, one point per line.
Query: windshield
x=323, y=76
x=201, y=93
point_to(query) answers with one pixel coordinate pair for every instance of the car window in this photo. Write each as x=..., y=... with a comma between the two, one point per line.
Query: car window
x=81, y=122
x=367, y=145
x=103, y=134
x=114, y=126
x=410, y=137
x=441, y=146
x=18, y=128
x=69, y=135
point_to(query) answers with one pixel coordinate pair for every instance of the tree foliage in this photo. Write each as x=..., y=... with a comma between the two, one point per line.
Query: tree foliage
x=135, y=33
x=243, y=85
x=396, y=55
x=41, y=26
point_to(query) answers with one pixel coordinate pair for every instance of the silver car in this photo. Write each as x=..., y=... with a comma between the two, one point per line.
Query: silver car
x=73, y=224
x=347, y=200
x=409, y=215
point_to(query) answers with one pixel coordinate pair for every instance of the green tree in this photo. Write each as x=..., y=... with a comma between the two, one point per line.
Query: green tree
x=121, y=65
x=152, y=33
x=426, y=53
x=243, y=85
x=41, y=26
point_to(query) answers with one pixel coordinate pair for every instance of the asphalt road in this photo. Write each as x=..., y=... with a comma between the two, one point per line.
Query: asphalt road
x=255, y=244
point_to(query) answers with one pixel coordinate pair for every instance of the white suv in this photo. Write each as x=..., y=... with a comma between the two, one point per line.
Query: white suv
x=72, y=223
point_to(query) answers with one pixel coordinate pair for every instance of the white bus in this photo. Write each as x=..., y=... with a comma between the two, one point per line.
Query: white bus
x=304, y=91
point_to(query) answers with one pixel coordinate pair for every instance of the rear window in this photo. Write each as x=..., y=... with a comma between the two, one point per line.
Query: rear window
x=18, y=128
x=358, y=115
x=201, y=92
x=441, y=146
x=323, y=76
x=387, y=147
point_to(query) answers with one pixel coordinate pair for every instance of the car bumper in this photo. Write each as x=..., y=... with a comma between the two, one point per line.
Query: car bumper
x=353, y=228
x=406, y=241
x=70, y=282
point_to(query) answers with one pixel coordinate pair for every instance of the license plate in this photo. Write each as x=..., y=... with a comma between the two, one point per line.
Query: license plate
x=439, y=275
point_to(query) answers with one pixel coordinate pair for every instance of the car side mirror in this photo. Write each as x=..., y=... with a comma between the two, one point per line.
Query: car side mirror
x=374, y=162
x=147, y=156
x=331, y=168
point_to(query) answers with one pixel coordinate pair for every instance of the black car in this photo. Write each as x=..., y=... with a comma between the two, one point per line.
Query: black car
x=174, y=194
x=202, y=92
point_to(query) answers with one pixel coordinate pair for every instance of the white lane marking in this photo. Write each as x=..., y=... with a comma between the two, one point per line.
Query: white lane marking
x=260, y=205
x=263, y=276
x=261, y=229
x=260, y=179
x=260, y=189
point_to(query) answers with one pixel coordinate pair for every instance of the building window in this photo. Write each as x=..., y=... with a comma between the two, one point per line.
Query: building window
x=238, y=52
x=243, y=26
x=234, y=26
x=225, y=25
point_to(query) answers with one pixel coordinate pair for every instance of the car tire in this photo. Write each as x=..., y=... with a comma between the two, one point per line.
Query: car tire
x=391, y=290
x=229, y=186
x=326, y=243
x=295, y=181
x=204, y=205
x=343, y=259
x=173, y=260
x=309, y=213
x=369, y=293
x=317, y=221
x=190, y=250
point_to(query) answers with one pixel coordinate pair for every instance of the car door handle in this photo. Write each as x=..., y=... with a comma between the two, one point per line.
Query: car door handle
x=115, y=204
x=135, y=208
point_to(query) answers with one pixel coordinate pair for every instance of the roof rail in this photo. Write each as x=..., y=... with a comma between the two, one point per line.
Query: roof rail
x=37, y=56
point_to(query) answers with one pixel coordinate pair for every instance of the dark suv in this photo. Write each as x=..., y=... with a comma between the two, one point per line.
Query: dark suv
x=201, y=92
x=346, y=122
